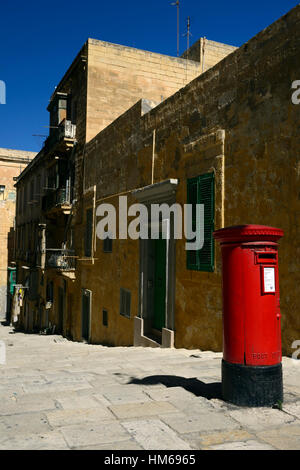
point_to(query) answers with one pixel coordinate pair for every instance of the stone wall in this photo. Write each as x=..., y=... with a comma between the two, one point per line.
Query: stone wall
x=237, y=120
x=12, y=162
x=118, y=76
x=208, y=53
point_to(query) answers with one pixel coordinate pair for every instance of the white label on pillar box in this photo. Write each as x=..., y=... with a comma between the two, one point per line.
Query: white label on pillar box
x=269, y=279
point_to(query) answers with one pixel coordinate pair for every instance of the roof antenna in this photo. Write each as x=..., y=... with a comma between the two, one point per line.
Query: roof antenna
x=177, y=5
x=188, y=34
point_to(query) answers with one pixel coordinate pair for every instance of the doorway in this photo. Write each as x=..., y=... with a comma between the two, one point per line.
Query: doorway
x=157, y=290
x=86, y=314
x=159, y=283
x=155, y=323
x=61, y=305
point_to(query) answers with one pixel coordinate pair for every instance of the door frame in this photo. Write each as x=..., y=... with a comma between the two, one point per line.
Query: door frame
x=159, y=193
x=86, y=292
x=61, y=309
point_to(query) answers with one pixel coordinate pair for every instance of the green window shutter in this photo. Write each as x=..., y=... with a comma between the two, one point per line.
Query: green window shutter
x=192, y=198
x=206, y=185
x=88, y=233
x=200, y=190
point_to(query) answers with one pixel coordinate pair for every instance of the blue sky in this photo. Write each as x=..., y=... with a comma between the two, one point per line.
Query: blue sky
x=40, y=39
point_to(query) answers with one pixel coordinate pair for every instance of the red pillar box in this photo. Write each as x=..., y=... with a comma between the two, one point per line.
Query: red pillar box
x=251, y=366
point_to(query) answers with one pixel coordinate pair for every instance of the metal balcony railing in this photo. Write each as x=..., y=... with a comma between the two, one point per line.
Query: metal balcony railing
x=56, y=197
x=64, y=260
x=65, y=130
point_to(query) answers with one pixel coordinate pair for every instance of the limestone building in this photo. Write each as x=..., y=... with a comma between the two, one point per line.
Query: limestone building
x=218, y=128
x=12, y=163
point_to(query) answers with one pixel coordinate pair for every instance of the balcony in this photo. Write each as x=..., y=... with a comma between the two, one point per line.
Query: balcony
x=57, y=200
x=61, y=138
x=28, y=257
x=63, y=260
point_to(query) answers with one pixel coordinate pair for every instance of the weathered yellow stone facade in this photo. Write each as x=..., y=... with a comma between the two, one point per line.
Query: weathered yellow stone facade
x=238, y=121
x=145, y=138
x=12, y=162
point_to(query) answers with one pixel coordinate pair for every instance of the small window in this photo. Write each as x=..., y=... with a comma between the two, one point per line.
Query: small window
x=20, y=198
x=38, y=188
x=31, y=191
x=107, y=245
x=125, y=302
x=49, y=292
x=24, y=198
x=104, y=317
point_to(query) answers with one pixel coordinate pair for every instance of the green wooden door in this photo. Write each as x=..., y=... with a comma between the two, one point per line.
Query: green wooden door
x=160, y=247
x=12, y=280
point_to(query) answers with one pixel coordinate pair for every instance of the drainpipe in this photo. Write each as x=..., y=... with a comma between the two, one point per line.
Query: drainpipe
x=153, y=155
x=94, y=240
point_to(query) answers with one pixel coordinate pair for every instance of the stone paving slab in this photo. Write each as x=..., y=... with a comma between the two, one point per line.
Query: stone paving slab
x=153, y=434
x=170, y=394
x=209, y=420
x=86, y=435
x=78, y=402
x=85, y=416
x=18, y=406
x=47, y=441
x=135, y=410
x=257, y=419
x=206, y=441
x=30, y=423
x=243, y=445
x=57, y=394
x=124, y=395
x=292, y=409
x=283, y=437
x=131, y=444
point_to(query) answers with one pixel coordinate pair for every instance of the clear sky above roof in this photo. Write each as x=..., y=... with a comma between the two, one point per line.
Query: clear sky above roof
x=39, y=40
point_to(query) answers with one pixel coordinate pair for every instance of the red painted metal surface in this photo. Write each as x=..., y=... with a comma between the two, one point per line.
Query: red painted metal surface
x=251, y=301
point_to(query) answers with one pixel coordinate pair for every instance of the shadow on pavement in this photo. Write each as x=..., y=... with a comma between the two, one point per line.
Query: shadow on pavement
x=195, y=386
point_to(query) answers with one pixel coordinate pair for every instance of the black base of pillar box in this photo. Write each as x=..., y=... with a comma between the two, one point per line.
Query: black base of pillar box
x=252, y=385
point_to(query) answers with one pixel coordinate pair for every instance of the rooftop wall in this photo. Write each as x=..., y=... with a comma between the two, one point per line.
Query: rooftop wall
x=118, y=76
x=208, y=53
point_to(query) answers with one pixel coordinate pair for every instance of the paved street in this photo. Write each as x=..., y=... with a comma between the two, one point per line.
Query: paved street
x=57, y=394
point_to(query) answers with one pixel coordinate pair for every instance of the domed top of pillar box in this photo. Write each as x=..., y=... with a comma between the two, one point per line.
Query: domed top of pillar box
x=248, y=233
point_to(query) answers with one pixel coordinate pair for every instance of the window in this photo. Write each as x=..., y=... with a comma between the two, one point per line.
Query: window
x=31, y=196
x=125, y=301
x=23, y=238
x=49, y=292
x=21, y=195
x=38, y=188
x=24, y=198
x=200, y=190
x=33, y=285
x=107, y=245
x=53, y=177
x=88, y=233
x=104, y=317
x=74, y=112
